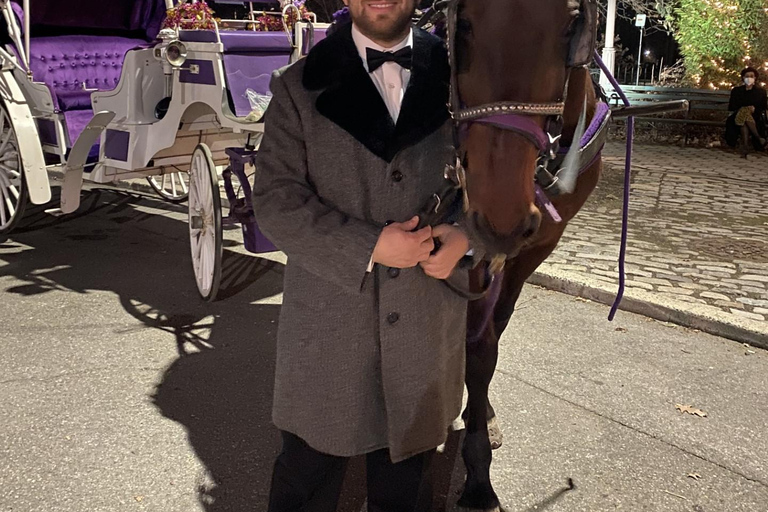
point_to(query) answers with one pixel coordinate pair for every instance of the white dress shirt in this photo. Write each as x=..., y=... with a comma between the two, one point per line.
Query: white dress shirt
x=390, y=79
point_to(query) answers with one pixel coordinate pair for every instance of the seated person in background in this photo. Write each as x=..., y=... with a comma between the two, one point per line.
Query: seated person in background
x=747, y=106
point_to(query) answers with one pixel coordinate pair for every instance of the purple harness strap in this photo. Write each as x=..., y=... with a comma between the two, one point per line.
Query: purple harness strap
x=601, y=112
x=474, y=336
x=627, y=178
x=522, y=125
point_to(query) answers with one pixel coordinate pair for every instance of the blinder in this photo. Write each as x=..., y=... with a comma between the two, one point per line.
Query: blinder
x=584, y=38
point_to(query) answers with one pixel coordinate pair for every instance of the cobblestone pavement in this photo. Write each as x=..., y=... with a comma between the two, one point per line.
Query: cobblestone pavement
x=698, y=229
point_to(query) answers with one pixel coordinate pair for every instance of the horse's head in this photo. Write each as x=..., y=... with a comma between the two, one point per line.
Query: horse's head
x=512, y=60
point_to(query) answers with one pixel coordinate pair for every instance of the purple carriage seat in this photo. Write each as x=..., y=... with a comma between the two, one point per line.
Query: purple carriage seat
x=249, y=60
x=72, y=50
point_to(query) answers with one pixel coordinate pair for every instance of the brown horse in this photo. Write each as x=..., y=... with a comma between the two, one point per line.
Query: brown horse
x=513, y=52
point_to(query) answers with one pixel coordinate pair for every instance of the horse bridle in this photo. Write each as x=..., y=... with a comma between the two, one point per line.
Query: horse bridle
x=516, y=116
x=507, y=115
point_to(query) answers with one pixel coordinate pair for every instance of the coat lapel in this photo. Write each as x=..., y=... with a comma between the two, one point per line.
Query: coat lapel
x=350, y=99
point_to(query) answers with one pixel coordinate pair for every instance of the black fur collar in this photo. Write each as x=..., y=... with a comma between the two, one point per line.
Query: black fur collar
x=350, y=99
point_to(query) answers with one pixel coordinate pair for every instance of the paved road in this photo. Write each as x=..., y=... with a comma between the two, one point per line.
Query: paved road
x=121, y=391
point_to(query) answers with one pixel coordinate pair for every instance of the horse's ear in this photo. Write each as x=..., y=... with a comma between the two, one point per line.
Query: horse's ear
x=584, y=36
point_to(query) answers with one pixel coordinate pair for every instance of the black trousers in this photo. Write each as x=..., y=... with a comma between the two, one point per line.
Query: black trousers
x=305, y=480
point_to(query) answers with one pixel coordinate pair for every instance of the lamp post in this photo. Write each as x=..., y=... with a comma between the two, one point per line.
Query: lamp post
x=640, y=23
x=609, y=52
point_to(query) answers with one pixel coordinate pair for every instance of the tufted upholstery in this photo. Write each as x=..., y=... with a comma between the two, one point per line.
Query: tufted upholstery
x=68, y=56
x=67, y=64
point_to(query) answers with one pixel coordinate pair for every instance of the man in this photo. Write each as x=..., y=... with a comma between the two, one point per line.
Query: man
x=370, y=349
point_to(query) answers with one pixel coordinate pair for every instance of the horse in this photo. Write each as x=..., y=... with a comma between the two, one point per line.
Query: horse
x=520, y=90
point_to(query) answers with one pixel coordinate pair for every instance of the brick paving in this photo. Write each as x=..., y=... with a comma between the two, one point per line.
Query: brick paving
x=698, y=229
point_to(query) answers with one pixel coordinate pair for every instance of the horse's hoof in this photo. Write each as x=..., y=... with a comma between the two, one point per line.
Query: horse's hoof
x=494, y=433
x=479, y=497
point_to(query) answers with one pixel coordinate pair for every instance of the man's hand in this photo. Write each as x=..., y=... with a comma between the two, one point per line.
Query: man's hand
x=401, y=247
x=752, y=108
x=455, y=245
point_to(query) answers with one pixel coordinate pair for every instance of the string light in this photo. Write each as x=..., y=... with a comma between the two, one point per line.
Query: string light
x=720, y=37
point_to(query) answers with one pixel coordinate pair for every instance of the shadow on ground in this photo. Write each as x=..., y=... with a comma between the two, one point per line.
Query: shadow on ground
x=220, y=386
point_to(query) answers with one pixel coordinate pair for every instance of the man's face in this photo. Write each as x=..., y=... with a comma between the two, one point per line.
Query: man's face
x=384, y=21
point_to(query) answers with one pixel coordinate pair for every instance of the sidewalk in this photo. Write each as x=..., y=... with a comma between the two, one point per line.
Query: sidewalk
x=698, y=240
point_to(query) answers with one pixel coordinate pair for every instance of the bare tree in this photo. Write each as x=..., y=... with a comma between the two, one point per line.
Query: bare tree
x=659, y=12
x=324, y=8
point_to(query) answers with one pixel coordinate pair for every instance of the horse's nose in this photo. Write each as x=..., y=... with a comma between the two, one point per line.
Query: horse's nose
x=534, y=221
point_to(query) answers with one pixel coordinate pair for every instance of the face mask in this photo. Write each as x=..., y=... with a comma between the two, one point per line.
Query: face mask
x=749, y=81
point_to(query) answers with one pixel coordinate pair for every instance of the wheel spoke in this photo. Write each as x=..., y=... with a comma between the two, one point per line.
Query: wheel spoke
x=7, y=169
x=3, y=219
x=5, y=140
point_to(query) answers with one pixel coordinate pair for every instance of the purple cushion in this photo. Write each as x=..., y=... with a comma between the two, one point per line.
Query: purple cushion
x=74, y=100
x=67, y=63
x=241, y=41
x=260, y=42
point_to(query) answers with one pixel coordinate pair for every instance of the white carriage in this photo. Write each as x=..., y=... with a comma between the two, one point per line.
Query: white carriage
x=105, y=95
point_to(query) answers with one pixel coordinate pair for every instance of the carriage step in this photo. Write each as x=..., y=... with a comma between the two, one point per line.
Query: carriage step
x=56, y=212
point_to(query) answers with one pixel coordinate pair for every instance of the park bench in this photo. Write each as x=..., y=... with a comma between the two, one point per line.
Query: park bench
x=714, y=104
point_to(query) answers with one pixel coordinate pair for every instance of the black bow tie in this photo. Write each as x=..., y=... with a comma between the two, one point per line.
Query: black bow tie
x=376, y=58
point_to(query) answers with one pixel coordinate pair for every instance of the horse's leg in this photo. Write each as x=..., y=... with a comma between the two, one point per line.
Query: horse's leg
x=482, y=352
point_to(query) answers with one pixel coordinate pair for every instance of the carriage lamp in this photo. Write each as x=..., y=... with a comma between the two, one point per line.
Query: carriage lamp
x=176, y=53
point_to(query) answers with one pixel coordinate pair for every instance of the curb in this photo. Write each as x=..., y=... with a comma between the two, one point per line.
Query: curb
x=703, y=318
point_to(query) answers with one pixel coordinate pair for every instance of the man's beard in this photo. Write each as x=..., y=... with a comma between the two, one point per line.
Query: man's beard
x=392, y=33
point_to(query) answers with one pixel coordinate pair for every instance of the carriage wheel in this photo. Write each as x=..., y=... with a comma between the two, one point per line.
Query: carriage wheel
x=205, y=231
x=173, y=186
x=13, y=186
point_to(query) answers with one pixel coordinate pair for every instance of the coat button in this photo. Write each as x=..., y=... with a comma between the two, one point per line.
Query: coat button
x=393, y=272
x=392, y=318
x=397, y=176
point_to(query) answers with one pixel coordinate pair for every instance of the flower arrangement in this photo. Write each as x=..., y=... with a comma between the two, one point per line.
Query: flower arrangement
x=271, y=23
x=196, y=15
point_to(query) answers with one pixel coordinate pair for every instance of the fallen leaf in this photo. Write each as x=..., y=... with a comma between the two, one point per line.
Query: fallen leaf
x=690, y=410
x=695, y=476
x=620, y=329
x=139, y=498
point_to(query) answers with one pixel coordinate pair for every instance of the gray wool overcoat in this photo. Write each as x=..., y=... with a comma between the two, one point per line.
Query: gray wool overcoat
x=365, y=361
